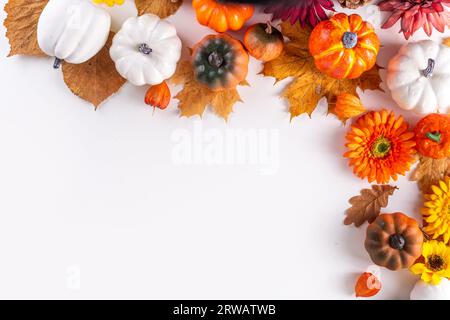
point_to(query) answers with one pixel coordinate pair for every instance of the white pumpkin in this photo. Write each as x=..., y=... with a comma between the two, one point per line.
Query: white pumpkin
x=72, y=30
x=426, y=291
x=419, y=77
x=146, y=50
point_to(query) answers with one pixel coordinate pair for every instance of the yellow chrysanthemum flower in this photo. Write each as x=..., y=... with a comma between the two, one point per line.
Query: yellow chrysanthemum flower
x=437, y=262
x=437, y=210
x=110, y=3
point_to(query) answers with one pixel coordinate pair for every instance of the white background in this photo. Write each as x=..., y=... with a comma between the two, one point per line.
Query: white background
x=92, y=204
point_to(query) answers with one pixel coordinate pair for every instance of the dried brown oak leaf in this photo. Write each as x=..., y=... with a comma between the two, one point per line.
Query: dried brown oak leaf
x=309, y=84
x=162, y=8
x=21, y=26
x=429, y=171
x=96, y=79
x=367, y=206
x=195, y=97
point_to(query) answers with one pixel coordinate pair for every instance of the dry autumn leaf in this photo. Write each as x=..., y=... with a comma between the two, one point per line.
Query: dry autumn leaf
x=96, y=79
x=21, y=26
x=367, y=206
x=309, y=84
x=429, y=171
x=195, y=97
x=162, y=8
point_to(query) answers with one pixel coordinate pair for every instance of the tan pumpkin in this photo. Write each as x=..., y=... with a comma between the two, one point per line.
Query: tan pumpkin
x=263, y=41
x=394, y=241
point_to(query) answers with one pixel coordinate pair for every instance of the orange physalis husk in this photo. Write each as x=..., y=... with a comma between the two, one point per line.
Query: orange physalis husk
x=158, y=96
x=380, y=146
x=367, y=285
x=348, y=106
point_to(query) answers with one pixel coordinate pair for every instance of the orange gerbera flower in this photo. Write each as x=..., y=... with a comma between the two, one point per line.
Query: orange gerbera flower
x=380, y=146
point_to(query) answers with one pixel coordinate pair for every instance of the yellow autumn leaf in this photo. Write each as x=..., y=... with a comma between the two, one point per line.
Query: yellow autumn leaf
x=162, y=8
x=309, y=84
x=195, y=97
x=21, y=26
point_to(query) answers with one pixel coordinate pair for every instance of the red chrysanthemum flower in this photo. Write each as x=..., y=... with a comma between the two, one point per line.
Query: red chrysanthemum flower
x=306, y=11
x=416, y=14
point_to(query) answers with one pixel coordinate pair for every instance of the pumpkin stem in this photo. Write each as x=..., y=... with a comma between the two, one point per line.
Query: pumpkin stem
x=269, y=28
x=350, y=40
x=144, y=49
x=396, y=241
x=215, y=59
x=428, y=71
x=434, y=136
x=57, y=63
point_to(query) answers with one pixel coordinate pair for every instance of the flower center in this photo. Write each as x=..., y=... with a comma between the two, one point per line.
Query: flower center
x=350, y=39
x=435, y=263
x=144, y=49
x=381, y=147
x=215, y=59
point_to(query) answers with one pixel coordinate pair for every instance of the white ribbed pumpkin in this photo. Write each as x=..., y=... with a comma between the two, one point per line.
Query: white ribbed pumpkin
x=419, y=77
x=146, y=50
x=72, y=30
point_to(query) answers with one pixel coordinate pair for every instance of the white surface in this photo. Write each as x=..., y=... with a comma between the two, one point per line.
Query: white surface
x=93, y=204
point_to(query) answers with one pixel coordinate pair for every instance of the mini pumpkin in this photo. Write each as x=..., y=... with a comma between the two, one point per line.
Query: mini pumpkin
x=263, y=41
x=220, y=62
x=146, y=50
x=344, y=46
x=394, y=241
x=419, y=77
x=432, y=135
x=221, y=16
x=72, y=30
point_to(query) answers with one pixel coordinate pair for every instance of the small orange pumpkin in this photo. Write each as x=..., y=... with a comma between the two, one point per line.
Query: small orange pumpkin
x=220, y=62
x=263, y=41
x=394, y=241
x=222, y=16
x=433, y=136
x=158, y=96
x=344, y=46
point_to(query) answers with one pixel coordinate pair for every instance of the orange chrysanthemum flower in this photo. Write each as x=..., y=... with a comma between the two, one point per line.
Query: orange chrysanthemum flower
x=380, y=146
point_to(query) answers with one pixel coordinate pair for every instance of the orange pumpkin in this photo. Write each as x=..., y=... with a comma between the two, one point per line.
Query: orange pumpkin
x=394, y=241
x=222, y=16
x=158, y=96
x=433, y=136
x=220, y=62
x=344, y=46
x=263, y=41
